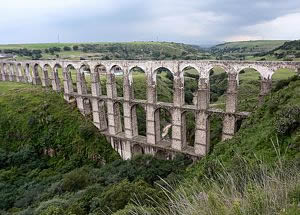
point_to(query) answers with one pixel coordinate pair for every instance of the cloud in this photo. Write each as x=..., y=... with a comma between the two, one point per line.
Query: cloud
x=190, y=21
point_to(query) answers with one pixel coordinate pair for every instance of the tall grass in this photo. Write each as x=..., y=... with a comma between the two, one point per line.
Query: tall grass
x=253, y=188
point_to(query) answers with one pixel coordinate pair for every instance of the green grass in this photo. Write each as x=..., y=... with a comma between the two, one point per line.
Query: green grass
x=255, y=44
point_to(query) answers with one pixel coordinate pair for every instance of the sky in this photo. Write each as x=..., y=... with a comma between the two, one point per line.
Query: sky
x=188, y=21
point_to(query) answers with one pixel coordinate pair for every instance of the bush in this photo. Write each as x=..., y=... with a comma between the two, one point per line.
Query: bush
x=75, y=180
x=67, y=48
x=288, y=120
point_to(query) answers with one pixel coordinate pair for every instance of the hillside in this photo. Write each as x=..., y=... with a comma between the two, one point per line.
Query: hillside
x=257, y=172
x=126, y=50
x=287, y=52
x=242, y=49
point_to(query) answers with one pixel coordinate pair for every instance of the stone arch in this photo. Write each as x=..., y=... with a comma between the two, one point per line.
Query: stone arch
x=138, y=83
x=46, y=77
x=248, y=90
x=190, y=81
x=20, y=73
x=102, y=114
x=188, y=123
x=87, y=106
x=138, y=120
x=164, y=78
x=56, y=75
x=283, y=72
x=161, y=154
x=217, y=85
x=99, y=79
x=117, y=74
x=84, y=76
x=71, y=74
x=137, y=150
x=163, y=124
x=37, y=74
x=119, y=117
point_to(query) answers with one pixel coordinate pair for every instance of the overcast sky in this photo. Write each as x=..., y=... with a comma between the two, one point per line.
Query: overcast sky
x=188, y=21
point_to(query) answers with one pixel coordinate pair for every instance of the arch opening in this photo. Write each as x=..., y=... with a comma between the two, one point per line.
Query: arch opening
x=118, y=75
x=162, y=155
x=119, y=117
x=137, y=150
x=46, y=75
x=248, y=89
x=100, y=77
x=103, y=118
x=139, y=83
x=191, y=79
x=138, y=115
x=283, y=74
x=72, y=77
x=37, y=73
x=163, y=124
x=164, y=85
x=218, y=83
x=87, y=107
x=188, y=128
x=85, y=74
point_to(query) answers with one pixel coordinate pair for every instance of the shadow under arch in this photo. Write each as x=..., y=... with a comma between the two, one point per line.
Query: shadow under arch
x=85, y=77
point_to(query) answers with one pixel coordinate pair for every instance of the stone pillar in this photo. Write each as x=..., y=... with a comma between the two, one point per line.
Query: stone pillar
x=152, y=117
x=229, y=123
x=20, y=74
x=202, y=131
x=3, y=72
x=55, y=80
x=17, y=73
x=178, y=121
x=298, y=71
x=83, y=104
x=265, y=88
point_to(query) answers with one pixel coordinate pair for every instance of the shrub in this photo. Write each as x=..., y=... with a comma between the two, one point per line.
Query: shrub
x=75, y=180
x=287, y=120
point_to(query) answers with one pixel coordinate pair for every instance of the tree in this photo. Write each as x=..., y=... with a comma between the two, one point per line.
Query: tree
x=67, y=48
x=75, y=47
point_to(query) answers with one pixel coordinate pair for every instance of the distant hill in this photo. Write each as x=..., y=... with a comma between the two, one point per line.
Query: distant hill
x=288, y=51
x=107, y=51
x=242, y=49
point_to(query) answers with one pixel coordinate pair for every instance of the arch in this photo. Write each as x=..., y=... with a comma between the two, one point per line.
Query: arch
x=103, y=118
x=119, y=117
x=100, y=79
x=218, y=83
x=118, y=76
x=138, y=81
x=137, y=150
x=188, y=120
x=164, y=78
x=138, y=115
x=248, y=88
x=85, y=77
x=190, y=83
x=57, y=77
x=87, y=107
x=71, y=74
x=160, y=154
x=283, y=73
x=163, y=124
x=37, y=73
x=46, y=77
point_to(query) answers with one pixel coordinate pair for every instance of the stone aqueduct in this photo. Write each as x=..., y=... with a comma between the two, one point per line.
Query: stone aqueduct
x=105, y=109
